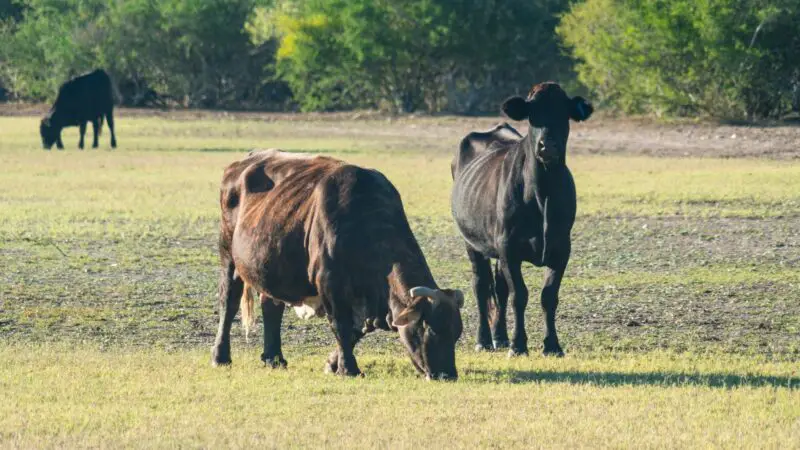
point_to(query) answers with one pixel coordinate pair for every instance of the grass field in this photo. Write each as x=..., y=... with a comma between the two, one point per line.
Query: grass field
x=679, y=312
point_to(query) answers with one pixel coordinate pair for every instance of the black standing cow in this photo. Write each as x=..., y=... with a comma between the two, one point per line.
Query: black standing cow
x=514, y=200
x=86, y=98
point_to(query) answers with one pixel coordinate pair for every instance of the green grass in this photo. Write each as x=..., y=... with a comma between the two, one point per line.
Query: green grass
x=59, y=397
x=678, y=313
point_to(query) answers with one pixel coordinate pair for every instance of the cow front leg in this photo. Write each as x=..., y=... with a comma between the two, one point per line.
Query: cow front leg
x=552, y=283
x=512, y=271
x=230, y=294
x=332, y=365
x=337, y=298
x=59, y=143
x=82, y=127
x=482, y=287
x=557, y=259
x=499, y=324
x=347, y=337
x=273, y=316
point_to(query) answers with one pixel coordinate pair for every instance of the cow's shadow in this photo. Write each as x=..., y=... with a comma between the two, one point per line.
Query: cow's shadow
x=714, y=380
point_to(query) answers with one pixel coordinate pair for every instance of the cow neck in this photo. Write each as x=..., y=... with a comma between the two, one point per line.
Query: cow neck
x=536, y=173
x=411, y=270
x=52, y=114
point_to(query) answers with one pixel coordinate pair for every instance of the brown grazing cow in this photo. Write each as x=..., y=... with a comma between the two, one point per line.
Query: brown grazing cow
x=330, y=239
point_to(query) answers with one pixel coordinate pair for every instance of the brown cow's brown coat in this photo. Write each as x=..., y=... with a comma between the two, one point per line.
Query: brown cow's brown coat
x=333, y=236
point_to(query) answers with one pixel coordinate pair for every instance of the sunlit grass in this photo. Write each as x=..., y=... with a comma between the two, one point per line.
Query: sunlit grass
x=60, y=397
x=72, y=193
x=108, y=293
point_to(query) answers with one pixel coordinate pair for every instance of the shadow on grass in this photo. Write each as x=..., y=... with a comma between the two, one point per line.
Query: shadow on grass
x=714, y=380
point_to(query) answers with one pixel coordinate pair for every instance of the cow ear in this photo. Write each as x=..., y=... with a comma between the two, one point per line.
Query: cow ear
x=516, y=108
x=457, y=296
x=407, y=317
x=580, y=109
x=256, y=179
x=412, y=313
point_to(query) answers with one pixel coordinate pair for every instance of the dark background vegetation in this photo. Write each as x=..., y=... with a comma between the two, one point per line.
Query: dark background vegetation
x=732, y=59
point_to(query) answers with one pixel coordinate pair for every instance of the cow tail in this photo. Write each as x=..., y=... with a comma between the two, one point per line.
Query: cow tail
x=247, y=306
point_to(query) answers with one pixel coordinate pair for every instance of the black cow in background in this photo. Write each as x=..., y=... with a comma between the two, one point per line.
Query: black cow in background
x=514, y=200
x=85, y=98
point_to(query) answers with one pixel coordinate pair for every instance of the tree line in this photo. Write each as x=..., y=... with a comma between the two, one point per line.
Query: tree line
x=721, y=58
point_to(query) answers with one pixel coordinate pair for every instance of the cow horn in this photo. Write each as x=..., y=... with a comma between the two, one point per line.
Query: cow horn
x=422, y=291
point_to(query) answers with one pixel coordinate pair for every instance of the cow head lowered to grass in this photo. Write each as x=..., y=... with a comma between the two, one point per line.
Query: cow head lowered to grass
x=329, y=239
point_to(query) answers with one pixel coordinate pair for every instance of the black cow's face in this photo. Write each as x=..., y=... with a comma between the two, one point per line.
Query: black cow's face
x=430, y=327
x=548, y=110
x=48, y=132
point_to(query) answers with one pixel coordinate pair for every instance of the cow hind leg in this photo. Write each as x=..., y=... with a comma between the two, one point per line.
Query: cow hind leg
x=82, y=132
x=482, y=287
x=273, y=317
x=499, y=325
x=110, y=120
x=96, y=124
x=230, y=294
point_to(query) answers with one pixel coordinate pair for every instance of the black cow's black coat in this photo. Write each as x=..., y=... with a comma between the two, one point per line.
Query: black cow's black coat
x=514, y=200
x=86, y=98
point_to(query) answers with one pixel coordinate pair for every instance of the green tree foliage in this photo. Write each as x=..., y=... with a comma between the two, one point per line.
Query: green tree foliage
x=724, y=58
x=195, y=51
x=10, y=10
x=412, y=54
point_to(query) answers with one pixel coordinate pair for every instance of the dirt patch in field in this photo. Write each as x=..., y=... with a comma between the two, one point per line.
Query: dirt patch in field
x=601, y=135
x=632, y=284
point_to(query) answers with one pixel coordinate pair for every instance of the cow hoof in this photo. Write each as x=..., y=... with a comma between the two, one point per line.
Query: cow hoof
x=331, y=367
x=501, y=344
x=276, y=362
x=552, y=348
x=217, y=362
x=483, y=348
x=556, y=353
x=220, y=357
x=513, y=353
